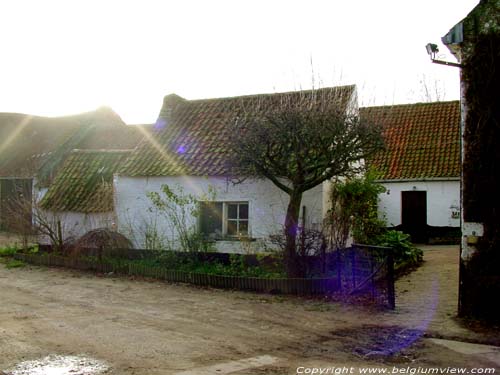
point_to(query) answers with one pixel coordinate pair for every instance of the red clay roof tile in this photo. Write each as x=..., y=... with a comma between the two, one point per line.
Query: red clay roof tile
x=191, y=136
x=422, y=140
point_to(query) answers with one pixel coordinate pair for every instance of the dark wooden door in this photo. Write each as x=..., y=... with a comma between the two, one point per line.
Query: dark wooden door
x=414, y=215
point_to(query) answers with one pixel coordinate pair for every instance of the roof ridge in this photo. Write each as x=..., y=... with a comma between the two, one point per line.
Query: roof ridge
x=191, y=135
x=101, y=109
x=411, y=104
x=100, y=150
x=248, y=96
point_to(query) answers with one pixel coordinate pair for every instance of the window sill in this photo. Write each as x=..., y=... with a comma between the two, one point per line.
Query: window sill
x=233, y=239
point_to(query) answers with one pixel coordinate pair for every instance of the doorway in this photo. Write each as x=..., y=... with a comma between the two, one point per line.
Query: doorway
x=414, y=215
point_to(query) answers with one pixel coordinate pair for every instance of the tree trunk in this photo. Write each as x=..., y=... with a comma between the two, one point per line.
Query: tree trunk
x=292, y=265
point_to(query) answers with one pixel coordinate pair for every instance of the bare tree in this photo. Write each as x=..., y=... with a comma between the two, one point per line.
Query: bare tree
x=431, y=90
x=30, y=221
x=298, y=140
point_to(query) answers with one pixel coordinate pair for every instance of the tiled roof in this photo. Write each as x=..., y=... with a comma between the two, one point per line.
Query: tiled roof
x=31, y=143
x=85, y=182
x=190, y=137
x=26, y=141
x=421, y=140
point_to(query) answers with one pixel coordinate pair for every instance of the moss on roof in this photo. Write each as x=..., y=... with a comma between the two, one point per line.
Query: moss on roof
x=34, y=146
x=190, y=136
x=85, y=182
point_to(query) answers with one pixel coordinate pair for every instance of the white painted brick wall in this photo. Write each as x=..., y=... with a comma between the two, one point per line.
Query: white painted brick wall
x=75, y=224
x=443, y=197
x=267, y=204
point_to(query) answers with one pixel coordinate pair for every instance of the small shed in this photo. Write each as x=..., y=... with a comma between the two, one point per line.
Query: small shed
x=81, y=195
x=419, y=168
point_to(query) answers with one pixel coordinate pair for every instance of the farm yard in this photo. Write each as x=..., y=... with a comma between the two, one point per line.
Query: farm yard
x=139, y=326
x=237, y=202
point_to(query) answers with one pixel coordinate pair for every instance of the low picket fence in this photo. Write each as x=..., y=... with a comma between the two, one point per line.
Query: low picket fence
x=298, y=286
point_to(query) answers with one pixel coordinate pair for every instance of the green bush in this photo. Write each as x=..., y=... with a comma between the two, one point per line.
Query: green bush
x=405, y=253
x=236, y=266
x=33, y=249
x=355, y=210
x=8, y=251
x=170, y=260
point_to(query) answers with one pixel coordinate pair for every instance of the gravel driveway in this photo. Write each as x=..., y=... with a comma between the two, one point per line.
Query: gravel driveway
x=146, y=327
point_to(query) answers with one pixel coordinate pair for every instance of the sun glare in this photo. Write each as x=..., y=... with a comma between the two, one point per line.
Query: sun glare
x=15, y=133
x=69, y=57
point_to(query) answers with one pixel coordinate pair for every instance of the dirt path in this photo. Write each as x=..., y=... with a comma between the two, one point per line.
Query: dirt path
x=141, y=327
x=428, y=297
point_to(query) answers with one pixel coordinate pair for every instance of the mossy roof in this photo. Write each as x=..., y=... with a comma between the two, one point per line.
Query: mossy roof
x=35, y=146
x=191, y=136
x=85, y=182
x=422, y=140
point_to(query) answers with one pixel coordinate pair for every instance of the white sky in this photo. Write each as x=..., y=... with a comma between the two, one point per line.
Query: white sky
x=63, y=57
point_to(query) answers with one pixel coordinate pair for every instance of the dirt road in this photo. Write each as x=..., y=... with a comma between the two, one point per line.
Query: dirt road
x=142, y=327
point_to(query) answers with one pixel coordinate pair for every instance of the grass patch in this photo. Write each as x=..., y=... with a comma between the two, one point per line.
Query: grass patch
x=14, y=263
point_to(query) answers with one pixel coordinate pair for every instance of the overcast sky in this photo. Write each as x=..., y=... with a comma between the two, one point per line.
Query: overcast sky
x=63, y=57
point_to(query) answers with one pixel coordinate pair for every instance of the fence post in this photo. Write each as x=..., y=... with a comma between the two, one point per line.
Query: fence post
x=339, y=272
x=372, y=279
x=391, y=295
x=353, y=266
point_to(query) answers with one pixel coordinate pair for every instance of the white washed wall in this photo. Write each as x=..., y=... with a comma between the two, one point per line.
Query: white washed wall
x=267, y=205
x=443, y=197
x=75, y=224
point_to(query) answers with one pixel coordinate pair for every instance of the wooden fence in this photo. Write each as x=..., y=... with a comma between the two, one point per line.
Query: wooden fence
x=313, y=286
x=360, y=270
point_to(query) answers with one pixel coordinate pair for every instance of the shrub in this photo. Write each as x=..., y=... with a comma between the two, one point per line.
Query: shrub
x=103, y=238
x=405, y=253
x=181, y=210
x=238, y=265
x=354, y=211
x=8, y=251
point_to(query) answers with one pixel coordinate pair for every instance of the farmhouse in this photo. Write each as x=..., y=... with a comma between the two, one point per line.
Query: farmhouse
x=188, y=152
x=420, y=167
x=91, y=171
x=81, y=195
x=34, y=149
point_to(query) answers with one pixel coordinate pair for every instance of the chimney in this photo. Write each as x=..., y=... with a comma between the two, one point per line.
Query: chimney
x=170, y=102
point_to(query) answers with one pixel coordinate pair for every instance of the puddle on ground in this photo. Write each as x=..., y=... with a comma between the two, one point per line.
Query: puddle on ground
x=60, y=365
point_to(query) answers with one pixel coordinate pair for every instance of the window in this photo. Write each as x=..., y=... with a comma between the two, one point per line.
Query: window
x=237, y=219
x=211, y=219
x=224, y=219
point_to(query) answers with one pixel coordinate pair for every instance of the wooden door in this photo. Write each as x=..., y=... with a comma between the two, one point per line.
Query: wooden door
x=414, y=215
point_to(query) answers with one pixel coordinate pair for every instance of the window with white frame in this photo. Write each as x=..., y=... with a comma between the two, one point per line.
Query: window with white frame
x=224, y=219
